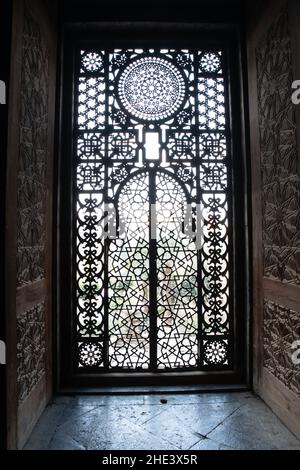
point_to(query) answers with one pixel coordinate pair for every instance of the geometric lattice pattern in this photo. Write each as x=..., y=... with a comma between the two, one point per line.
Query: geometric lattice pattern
x=128, y=319
x=210, y=62
x=211, y=103
x=151, y=88
x=90, y=265
x=215, y=275
x=152, y=211
x=91, y=102
x=177, y=318
x=279, y=156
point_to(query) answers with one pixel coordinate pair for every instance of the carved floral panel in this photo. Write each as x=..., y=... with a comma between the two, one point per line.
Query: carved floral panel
x=281, y=330
x=31, y=189
x=279, y=155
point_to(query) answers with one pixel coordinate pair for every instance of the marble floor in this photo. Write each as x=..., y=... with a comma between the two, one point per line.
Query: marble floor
x=198, y=421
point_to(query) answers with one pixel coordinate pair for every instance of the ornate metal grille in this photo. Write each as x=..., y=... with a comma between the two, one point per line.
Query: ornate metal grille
x=153, y=210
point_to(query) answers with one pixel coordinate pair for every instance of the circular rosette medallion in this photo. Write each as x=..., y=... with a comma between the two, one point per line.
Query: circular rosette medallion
x=151, y=88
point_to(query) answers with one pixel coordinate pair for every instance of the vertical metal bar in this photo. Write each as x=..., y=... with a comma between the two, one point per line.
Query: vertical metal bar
x=198, y=205
x=152, y=270
x=232, y=201
x=74, y=194
x=106, y=240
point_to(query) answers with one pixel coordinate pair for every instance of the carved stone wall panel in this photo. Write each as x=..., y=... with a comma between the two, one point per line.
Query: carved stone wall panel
x=279, y=155
x=31, y=340
x=31, y=191
x=281, y=329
